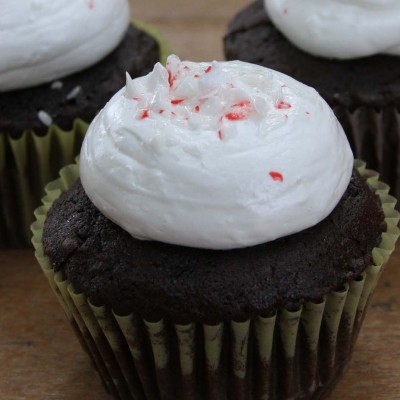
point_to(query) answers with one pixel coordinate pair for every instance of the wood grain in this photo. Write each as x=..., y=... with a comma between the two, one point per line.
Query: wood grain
x=194, y=29
x=40, y=358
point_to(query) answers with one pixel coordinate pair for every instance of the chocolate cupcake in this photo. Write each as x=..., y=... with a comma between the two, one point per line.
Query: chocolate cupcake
x=215, y=247
x=59, y=65
x=334, y=47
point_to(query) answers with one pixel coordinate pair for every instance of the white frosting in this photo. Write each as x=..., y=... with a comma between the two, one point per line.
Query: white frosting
x=231, y=155
x=340, y=29
x=43, y=40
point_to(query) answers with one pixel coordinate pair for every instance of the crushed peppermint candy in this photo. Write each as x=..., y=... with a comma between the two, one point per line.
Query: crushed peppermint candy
x=235, y=116
x=276, y=176
x=44, y=118
x=56, y=85
x=216, y=97
x=74, y=93
x=283, y=105
x=144, y=114
x=177, y=101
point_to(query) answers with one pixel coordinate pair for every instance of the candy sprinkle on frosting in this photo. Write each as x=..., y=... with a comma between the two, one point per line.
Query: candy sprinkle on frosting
x=144, y=114
x=276, y=176
x=189, y=157
x=177, y=101
x=282, y=105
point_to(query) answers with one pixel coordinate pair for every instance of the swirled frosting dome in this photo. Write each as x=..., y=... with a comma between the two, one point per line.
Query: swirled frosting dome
x=43, y=40
x=340, y=29
x=215, y=155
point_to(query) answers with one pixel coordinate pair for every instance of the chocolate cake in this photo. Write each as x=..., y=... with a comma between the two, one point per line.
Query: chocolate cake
x=186, y=284
x=82, y=94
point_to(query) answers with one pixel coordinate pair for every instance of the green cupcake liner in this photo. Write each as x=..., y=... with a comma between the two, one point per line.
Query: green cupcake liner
x=27, y=164
x=289, y=355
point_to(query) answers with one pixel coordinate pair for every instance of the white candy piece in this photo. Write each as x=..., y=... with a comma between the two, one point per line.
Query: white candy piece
x=45, y=118
x=74, y=92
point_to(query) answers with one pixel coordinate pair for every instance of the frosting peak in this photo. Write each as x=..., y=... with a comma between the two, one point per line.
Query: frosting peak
x=215, y=155
x=45, y=40
x=340, y=29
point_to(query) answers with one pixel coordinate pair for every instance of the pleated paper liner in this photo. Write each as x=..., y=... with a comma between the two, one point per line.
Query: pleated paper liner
x=374, y=136
x=288, y=355
x=27, y=164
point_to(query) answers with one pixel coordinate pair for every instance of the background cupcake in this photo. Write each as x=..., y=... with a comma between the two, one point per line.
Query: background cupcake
x=348, y=51
x=215, y=307
x=60, y=62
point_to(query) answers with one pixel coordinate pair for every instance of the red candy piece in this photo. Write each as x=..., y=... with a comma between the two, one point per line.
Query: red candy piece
x=208, y=69
x=197, y=108
x=177, y=101
x=171, y=78
x=145, y=114
x=276, y=176
x=238, y=116
x=235, y=116
x=220, y=135
x=282, y=105
x=242, y=104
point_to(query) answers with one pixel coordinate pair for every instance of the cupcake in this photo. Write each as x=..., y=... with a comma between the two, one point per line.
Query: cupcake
x=217, y=240
x=348, y=51
x=59, y=64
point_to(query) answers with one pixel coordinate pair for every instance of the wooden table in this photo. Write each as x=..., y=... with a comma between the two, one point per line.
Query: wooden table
x=40, y=359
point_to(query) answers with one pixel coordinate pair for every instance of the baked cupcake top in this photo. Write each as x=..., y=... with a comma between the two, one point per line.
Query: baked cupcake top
x=215, y=155
x=41, y=41
x=340, y=29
